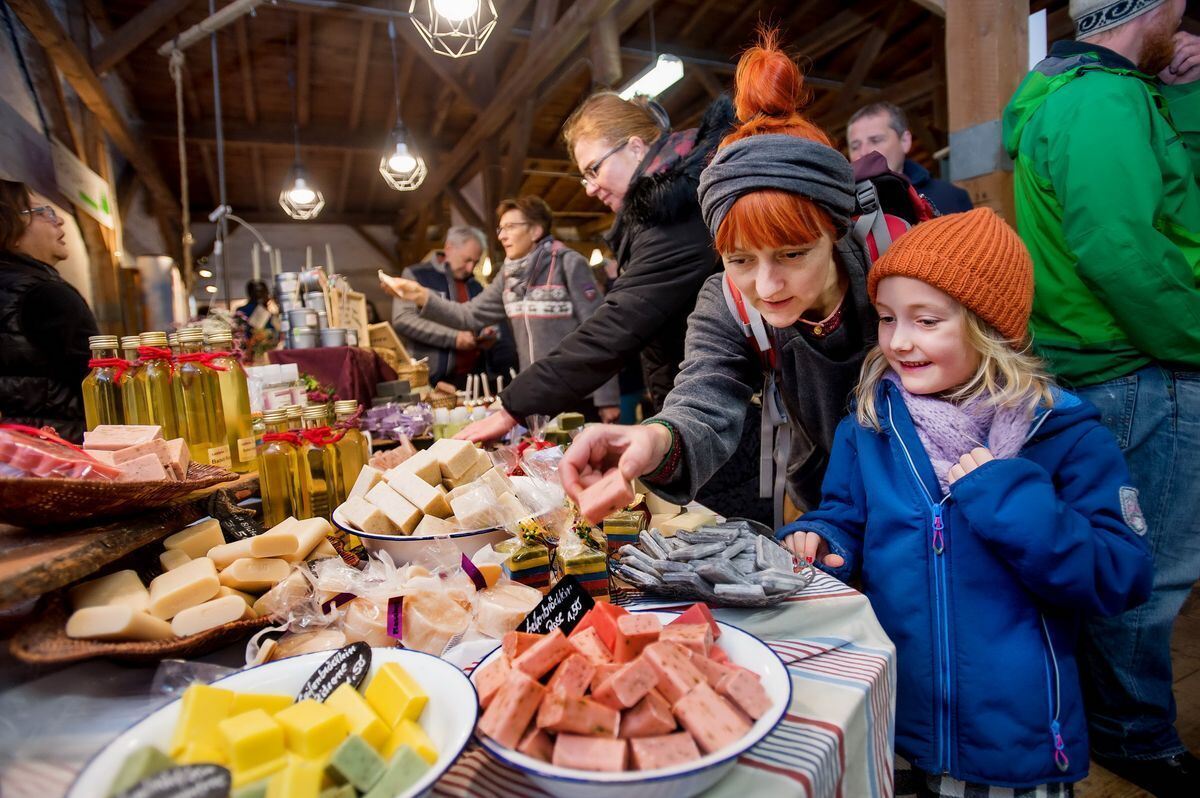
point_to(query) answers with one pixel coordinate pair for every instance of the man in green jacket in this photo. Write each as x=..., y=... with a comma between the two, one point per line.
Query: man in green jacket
x=1105, y=139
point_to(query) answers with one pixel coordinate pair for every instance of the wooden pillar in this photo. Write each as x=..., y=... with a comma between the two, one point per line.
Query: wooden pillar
x=605, y=46
x=986, y=58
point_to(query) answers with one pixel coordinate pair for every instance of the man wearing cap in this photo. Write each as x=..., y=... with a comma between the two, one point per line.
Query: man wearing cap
x=1105, y=139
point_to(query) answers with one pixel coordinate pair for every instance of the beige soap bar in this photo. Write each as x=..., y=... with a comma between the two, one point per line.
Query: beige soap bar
x=198, y=539
x=497, y=481
x=656, y=505
x=431, y=526
x=511, y=509
x=229, y=591
x=454, y=457
x=368, y=478
x=186, y=586
x=115, y=622
x=173, y=558
x=660, y=521
x=323, y=551
x=398, y=509
x=366, y=517
x=305, y=536
x=689, y=521
x=122, y=588
x=227, y=553
x=420, y=494
x=111, y=437
x=210, y=615
x=255, y=575
x=425, y=465
x=147, y=468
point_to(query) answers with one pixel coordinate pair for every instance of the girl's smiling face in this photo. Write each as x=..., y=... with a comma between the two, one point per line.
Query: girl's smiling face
x=782, y=283
x=923, y=335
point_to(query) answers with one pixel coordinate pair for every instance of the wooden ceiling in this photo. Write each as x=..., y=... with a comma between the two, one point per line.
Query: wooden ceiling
x=498, y=113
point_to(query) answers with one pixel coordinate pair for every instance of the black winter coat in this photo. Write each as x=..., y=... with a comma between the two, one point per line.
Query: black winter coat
x=44, y=328
x=664, y=254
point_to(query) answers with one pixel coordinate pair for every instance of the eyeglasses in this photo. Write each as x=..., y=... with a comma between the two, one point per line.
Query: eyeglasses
x=45, y=210
x=504, y=228
x=592, y=170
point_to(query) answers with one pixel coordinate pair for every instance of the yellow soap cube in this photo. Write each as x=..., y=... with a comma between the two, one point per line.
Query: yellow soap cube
x=199, y=754
x=201, y=709
x=395, y=695
x=251, y=739
x=410, y=733
x=268, y=702
x=243, y=777
x=361, y=719
x=312, y=729
x=299, y=779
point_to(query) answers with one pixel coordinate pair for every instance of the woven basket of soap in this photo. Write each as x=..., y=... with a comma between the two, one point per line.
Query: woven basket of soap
x=44, y=640
x=727, y=564
x=33, y=501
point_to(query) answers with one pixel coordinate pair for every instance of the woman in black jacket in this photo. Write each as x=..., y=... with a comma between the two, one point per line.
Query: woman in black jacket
x=44, y=322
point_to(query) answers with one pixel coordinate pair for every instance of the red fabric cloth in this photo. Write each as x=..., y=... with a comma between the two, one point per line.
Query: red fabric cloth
x=351, y=370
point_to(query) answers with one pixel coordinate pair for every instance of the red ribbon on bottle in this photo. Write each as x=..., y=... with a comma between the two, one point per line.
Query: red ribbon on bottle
x=351, y=422
x=156, y=353
x=285, y=437
x=203, y=358
x=119, y=363
x=322, y=436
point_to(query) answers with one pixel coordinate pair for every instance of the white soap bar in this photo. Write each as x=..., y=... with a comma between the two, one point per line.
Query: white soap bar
x=115, y=622
x=454, y=457
x=286, y=525
x=173, y=558
x=307, y=535
x=398, y=509
x=229, y=591
x=366, y=517
x=690, y=521
x=227, y=553
x=424, y=465
x=502, y=607
x=656, y=505
x=197, y=539
x=122, y=588
x=476, y=509
x=432, y=526
x=420, y=494
x=324, y=550
x=497, y=481
x=368, y=478
x=190, y=584
x=268, y=545
x=210, y=615
x=111, y=437
x=255, y=575
x=147, y=468
x=511, y=509
x=659, y=521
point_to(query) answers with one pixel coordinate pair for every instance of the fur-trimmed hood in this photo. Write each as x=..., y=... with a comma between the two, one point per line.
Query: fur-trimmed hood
x=666, y=195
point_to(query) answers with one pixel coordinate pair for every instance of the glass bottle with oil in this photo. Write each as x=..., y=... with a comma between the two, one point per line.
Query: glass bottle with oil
x=157, y=382
x=235, y=399
x=320, y=454
x=198, y=402
x=282, y=478
x=353, y=449
x=133, y=398
x=101, y=388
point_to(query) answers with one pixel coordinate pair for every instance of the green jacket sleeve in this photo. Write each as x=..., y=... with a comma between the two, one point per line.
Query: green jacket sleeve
x=1183, y=101
x=1103, y=166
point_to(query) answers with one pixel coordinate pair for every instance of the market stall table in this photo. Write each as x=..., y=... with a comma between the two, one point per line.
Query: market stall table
x=352, y=371
x=836, y=739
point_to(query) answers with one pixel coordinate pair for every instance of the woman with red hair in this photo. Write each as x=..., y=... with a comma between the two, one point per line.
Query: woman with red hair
x=778, y=200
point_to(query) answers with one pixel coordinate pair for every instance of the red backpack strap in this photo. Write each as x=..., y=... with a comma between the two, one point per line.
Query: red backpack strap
x=752, y=324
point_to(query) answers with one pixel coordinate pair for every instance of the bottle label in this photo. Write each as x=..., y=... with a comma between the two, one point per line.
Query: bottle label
x=219, y=456
x=246, y=449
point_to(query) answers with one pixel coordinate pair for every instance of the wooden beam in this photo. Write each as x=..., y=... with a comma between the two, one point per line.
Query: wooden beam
x=146, y=23
x=365, y=35
x=344, y=184
x=700, y=15
x=260, y=184
x=374, y=243
x=465, y=208
x=437, y=64
x=247, y=70
x=868, y=52
x=840, y=28
x=544, y=14
x=444, y=103
x=605, y=47
x=736, y=28
x=303, y=66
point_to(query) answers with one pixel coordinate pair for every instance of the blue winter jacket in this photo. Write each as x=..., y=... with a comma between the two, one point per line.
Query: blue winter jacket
x=983, y=591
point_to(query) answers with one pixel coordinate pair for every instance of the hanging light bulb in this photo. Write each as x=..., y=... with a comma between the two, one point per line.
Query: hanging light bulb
x=205, y=273
x=299, y=199
x=454, y=28
x=212, y=289
x=402, y=161
x=402, y=168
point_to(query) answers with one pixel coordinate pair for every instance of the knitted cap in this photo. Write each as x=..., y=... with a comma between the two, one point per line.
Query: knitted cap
x=975, y=257
x=1093, y=16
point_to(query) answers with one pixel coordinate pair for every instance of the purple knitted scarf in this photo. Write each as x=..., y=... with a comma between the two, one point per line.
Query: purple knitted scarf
x=948, y=431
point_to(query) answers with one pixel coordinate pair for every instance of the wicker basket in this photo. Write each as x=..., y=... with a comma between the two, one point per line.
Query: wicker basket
x=32, y=502
x=417, y=374
x=44, y=641
x=449, y=401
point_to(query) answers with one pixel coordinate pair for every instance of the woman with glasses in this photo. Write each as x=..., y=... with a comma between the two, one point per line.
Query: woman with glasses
x=44, y=322
x=545, y=290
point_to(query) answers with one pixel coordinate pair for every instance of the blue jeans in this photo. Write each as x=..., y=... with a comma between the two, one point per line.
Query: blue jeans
x=1126, y=662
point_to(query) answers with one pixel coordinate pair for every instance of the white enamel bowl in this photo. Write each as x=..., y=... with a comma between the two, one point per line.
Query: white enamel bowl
x=680, y=781
x=449, y=717
x=404, y=549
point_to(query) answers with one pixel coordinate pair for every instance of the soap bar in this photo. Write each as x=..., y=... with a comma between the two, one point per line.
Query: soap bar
x=500, y=609
x=200, y=754
x=713, y=723
x=250, y=739
x=367, y=478
x=690, y=521
x=267, y=702
x=405, y=769
x=423, y=465
x=119, y=587
x=201, y=708
x=300, y=778
x=656, y=505
x=589, y=753
x=260, y=774
x=211, y=614
x=651, y=753
x=110, y=437
x=360, y=717
x=142, y=763
x=366, y=517
x=312, y=728
x=354, y=762
x=186, y=586
x=197, y=539
x=395, y=695
x=156, y=447
x=254, y=574
x=225, y=554
x=300, y=537
x=398, y=509
x=147, y=468
x=420, y=494
x=178, y=457
x=116, y=622
x=173, y=558
x=498, y=482
x=410, y=733
x=454, y=457
x=323, y=551
x=432, y=526
x=511, y=508
x=513, y=706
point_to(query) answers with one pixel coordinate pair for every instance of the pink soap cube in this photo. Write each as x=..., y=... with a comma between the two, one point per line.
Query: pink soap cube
x=541, y=658
x=634, y=632
x=628, y=685
x=650, y=717
x=589, y=644
x=746, y=693
x=510, y=711
x=573, y=677
x=712, y=670
x=710, y=719
x=676, y=673
x=558, y=713
x=694, y=636
x=651, y=753
x=490, y=678
x=589, y=753
x=537, y=744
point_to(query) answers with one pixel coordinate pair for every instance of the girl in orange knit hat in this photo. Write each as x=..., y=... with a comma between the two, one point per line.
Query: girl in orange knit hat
x=985, y=510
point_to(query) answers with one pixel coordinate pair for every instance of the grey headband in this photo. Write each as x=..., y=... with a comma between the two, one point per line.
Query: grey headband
x=778, y=161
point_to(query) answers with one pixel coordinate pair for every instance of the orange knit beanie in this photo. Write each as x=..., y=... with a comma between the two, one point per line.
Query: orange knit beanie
x=975, y=257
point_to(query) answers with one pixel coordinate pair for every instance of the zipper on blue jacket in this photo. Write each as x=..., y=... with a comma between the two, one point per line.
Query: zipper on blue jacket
x=1054, y=694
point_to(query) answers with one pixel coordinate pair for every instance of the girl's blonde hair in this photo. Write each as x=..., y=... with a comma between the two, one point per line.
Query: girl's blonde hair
x=1009, y=375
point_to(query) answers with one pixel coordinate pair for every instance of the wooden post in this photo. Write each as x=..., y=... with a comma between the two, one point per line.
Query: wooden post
x=605, y=45
x=986, y=57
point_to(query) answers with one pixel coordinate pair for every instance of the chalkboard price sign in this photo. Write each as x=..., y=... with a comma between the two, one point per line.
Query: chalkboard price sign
x=347, y=665
x=562, y=608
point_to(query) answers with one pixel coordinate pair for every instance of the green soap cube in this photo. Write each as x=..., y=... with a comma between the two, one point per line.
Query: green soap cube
x=257, y=789
x=570, y=421
x=355, y=762
x=345, y=791
x=141, y=764
x=405, y=769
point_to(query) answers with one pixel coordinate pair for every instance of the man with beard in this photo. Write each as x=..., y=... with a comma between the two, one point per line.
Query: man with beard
x=1105, y=139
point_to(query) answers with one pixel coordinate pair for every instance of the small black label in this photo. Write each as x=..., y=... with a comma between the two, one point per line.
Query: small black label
x=347, y=665
x=186, y=781
x=562, y=608
x=236, y=522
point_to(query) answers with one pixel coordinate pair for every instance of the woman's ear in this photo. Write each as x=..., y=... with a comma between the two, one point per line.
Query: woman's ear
x=638, y=147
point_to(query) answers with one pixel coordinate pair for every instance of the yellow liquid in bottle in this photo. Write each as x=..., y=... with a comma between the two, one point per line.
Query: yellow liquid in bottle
x=235, y=407
x=133, y=398
x=156, y=383
x=282, y=480
x=102, y=394
x=198, y=404
x=324, y=472
x=352, y=453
